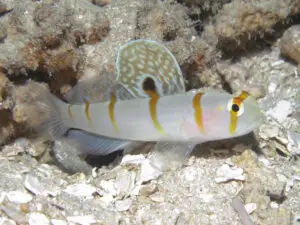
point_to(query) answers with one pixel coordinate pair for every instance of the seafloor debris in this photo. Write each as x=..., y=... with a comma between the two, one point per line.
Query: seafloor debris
x=290, y=45
x=226, y=173
x=242, y=212
x=239, y=22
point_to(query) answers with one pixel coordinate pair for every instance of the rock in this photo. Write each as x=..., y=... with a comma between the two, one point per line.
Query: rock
x=267, y=131
x=157, y=197
x=297, y=220
x=238, y=22
x=290, y=44
x=69, y=157
x=101, y=3
x=241, y=211
x=148, y=189
x=13, y=211
x=17, y=147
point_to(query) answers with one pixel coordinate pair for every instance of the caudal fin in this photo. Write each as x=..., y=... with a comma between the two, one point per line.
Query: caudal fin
x=40, y=110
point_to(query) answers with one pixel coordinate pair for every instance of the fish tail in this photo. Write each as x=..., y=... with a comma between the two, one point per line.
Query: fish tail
x=40, y=110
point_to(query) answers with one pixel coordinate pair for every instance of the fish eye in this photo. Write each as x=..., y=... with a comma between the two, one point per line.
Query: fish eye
x=237, y=108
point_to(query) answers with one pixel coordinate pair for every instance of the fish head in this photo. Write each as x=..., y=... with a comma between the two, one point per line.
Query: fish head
x=226, y=116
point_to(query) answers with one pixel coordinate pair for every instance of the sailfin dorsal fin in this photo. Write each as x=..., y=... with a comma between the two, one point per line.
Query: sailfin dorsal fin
x=142, y=59
x=97, y=89
x=93, y=89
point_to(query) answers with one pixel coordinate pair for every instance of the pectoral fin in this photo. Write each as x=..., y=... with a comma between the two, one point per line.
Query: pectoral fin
x=171, y=155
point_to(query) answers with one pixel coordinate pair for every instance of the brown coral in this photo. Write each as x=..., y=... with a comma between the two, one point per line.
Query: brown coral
x=238, y=23
x=290, y=43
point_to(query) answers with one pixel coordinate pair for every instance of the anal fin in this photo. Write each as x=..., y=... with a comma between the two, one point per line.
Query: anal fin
x=92, y=144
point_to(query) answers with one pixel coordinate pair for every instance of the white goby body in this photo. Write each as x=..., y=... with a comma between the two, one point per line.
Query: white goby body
x=176, y=118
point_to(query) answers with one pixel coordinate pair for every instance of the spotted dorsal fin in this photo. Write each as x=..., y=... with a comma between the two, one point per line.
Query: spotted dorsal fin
x=142, y=59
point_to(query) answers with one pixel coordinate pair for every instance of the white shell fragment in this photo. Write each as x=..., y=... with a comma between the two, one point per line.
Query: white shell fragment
x=147, y=189
x=189, y=174
x=2, y=197
x=123, y=205
x=132, y=159
x=5, y=221
x=206, y=197
x=34, y=185
x=148, y=172
x=36, y=218
x=106, y=200
x=250, y=207
x=81, y=190
x=274, y=205
x=108, y=187
x=281, y=111
x=83, y=220
x=226, y=173
x=124, y=181
x=19, y=197
x=44, y=181
x=58, y=222
x=267, y=131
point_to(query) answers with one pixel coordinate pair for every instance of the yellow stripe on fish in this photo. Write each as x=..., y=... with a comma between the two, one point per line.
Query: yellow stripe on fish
x=111, y=112
x=236, y=108
x=70, y=111
x=198, y=111
x=86, y=110
x=152, y=107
